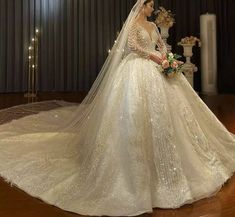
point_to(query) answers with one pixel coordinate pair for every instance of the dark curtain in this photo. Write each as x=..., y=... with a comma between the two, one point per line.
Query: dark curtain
x=74, y=40
x=76, y=35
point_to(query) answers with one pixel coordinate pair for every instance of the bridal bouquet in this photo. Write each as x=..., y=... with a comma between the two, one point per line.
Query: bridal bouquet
x=171, y=65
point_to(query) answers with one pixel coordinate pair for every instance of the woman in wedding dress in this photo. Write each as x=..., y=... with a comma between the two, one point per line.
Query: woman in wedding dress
x=139, y=140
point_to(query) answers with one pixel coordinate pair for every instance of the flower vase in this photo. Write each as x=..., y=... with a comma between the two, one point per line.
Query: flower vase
x=188, y=52
x=165, y=35
x=188, y=68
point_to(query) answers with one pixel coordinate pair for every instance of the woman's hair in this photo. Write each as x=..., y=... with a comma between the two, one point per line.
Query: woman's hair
x=147, y=1
x=153, y=17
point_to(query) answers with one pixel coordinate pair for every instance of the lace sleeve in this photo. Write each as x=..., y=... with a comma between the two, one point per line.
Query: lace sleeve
x=160, y=43
x=135, y=44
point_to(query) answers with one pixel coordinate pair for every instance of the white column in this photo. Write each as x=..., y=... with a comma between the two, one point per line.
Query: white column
x=208, y=53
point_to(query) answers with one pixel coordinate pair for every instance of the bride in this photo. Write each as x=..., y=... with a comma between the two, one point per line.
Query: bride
x=139, y=140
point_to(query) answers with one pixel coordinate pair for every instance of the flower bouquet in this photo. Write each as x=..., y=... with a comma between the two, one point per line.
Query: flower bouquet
x=191, y=40
x=164, y=18
x=171, y=65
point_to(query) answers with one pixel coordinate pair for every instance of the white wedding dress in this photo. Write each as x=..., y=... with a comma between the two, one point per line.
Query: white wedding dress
x=150, y=141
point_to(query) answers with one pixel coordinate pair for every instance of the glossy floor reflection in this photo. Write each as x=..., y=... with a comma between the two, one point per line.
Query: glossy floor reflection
x=16, y=203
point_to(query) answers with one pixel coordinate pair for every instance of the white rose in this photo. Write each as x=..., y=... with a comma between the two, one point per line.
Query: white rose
x=171, y=55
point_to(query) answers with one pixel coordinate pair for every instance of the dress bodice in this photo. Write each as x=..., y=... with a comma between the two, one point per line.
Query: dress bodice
x=148, y=40
x=143, y=42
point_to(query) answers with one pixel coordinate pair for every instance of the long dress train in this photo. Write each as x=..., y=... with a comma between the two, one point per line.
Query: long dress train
x=149, y=142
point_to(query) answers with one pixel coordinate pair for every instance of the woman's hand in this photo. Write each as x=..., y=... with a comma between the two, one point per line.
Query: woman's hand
x=156, y=59
x=164, y=57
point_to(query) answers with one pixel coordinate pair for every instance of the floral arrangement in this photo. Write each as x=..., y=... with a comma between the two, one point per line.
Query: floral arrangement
x=164, y=18
x=190, y=41
x=171, y=65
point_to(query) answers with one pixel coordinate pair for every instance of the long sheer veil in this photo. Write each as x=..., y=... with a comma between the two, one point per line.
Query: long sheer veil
x=118, y=51
x=75, y=120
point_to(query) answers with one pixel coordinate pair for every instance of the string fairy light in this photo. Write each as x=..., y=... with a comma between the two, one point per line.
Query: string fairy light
x=32, y=87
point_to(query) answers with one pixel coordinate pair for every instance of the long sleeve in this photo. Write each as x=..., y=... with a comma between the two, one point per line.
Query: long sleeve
x=160, y=43
x=136, y=43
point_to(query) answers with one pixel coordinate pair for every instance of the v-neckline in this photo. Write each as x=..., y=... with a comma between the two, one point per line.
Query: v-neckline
x=149, y=34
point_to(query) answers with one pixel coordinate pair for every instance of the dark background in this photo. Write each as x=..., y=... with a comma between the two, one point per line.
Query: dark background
x=76, y=35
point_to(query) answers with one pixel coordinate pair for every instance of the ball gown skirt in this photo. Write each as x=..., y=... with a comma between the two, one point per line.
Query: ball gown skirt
x=151, y=143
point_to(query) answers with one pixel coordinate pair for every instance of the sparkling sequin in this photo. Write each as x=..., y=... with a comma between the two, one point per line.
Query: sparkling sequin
x=148, y=142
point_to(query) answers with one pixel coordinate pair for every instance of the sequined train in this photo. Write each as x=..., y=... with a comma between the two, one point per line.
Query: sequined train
x=149, y=142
